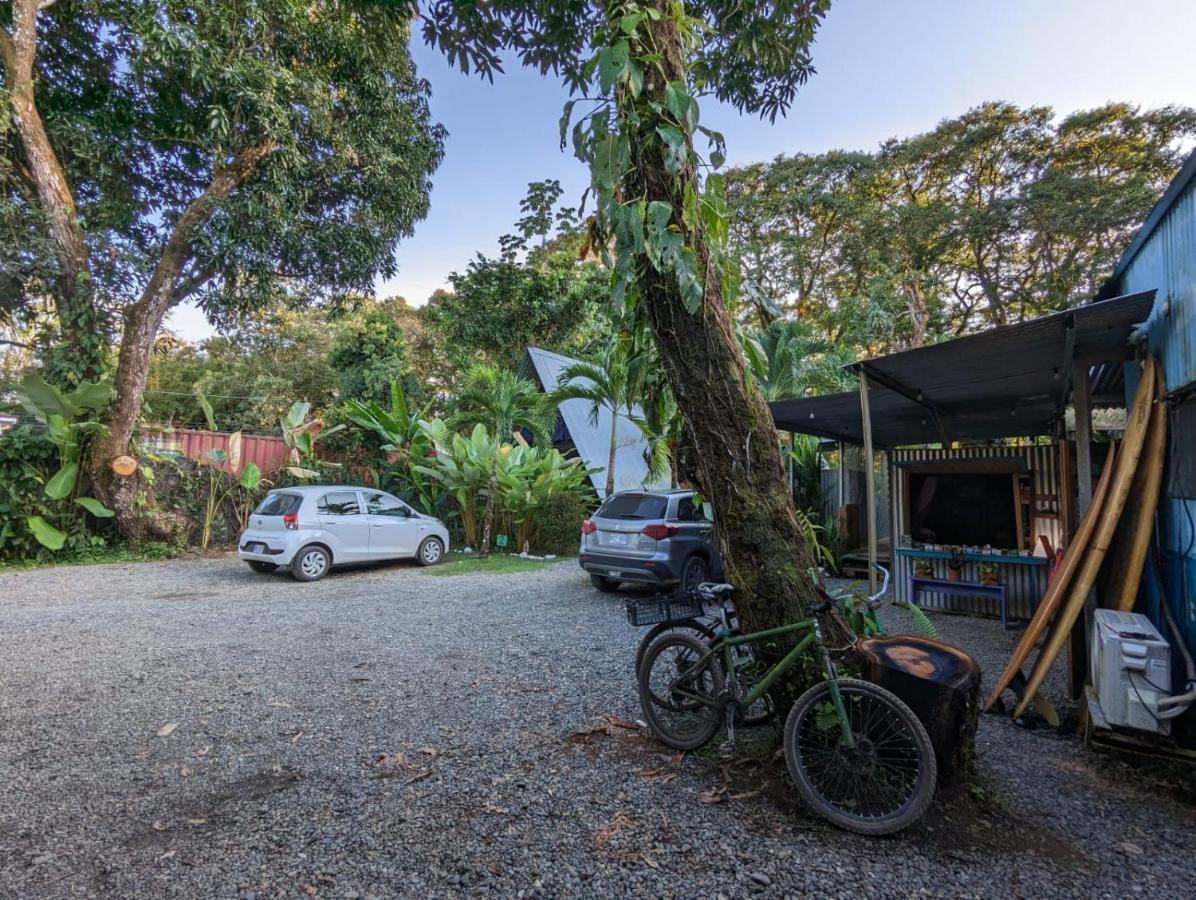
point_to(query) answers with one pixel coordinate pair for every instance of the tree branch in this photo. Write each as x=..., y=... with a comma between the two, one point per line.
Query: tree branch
x=15, y=343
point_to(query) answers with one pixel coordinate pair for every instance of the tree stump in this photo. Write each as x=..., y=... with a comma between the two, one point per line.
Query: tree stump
x=941, y=684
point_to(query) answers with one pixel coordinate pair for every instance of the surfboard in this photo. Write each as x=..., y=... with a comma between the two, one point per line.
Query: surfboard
x=1110, y=513
x=1057, y=589
x=1127, y=564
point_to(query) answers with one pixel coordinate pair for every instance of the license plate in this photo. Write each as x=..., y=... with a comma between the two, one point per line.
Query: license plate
x=614, y=574
x=617, y=539
x=255, y=547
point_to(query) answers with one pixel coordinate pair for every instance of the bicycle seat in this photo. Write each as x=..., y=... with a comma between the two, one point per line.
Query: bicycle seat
x=712, y=590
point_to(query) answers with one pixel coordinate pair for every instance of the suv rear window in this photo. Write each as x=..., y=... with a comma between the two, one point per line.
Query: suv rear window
x=634, y=506
x=277, y=505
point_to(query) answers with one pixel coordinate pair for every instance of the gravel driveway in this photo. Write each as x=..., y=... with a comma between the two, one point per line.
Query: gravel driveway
x=189, y=728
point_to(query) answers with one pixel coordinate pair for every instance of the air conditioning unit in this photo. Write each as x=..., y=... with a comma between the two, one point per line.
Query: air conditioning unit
x=1131, y=670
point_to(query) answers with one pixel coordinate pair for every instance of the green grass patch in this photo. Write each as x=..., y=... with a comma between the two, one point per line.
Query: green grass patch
x=494, y=564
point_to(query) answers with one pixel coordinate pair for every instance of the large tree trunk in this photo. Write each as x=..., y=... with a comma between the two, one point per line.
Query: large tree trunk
x=136, y=515
x=737, y=459
x=79, y=319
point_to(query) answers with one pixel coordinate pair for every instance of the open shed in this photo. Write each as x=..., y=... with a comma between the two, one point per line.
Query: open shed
x=1004, y=393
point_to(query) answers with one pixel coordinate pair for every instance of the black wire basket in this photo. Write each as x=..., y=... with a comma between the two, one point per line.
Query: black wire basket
x=664, y=608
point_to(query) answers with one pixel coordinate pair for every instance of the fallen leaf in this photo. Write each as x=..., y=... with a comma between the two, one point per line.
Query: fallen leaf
x=1131, y=848
x=310, y=890
x=184, y=771
x=618, y=722
x=431, y=751
x=197, y=821
x=167, y=729
x=298, y=734
x=159, y=825
x=167, y=855
x=584, y=737
x=420, y=777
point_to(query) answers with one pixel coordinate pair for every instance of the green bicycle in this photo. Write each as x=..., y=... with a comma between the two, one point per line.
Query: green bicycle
x=859, y=757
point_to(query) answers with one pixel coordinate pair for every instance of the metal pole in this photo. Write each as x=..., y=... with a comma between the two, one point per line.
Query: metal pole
x=869, y=480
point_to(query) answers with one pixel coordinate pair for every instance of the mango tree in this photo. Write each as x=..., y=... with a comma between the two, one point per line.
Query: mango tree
x=221, y=153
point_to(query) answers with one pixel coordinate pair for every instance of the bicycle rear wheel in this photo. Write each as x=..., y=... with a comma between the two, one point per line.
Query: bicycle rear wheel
x=699, y=629
x=881, y=784
x=678, y=693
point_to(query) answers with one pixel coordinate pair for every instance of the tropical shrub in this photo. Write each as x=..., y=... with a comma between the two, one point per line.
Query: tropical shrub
x=461, y=466
x=529, y=478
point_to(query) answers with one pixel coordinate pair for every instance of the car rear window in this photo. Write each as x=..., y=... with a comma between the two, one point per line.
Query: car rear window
x=277, y=505
x=634, y=506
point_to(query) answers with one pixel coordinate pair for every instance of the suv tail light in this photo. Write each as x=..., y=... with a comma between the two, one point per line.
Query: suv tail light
x=660, y=532
x=588, y=527
x=291, y=521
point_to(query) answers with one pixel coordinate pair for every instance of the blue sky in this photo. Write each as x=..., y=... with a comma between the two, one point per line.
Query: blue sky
x=884, y=69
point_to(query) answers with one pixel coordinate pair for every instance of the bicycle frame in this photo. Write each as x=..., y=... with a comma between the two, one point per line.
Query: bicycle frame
x=725, y=645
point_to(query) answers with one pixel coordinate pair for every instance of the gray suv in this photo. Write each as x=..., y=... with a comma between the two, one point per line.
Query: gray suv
x=649, y=537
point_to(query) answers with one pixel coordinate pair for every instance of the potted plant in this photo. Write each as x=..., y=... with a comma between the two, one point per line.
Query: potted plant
x=990, y=573
x=955, y=565
x=923, y=568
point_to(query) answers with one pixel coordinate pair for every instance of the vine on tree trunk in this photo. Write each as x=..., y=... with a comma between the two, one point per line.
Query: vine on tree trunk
x=661, y=227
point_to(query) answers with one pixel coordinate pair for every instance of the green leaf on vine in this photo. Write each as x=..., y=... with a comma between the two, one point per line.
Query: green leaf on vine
x=676, y=152
x=612, y=65
x=630, y=22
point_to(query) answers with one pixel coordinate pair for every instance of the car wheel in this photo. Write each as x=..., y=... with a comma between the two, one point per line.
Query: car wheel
x=311, y=563
x=430, y=552
x=606, y=585
x=695, y=572
x=262, y=568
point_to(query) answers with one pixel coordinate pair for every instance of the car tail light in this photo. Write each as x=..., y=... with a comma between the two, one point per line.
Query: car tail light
x=291, y=521
x=588, y=527
x=660, y=532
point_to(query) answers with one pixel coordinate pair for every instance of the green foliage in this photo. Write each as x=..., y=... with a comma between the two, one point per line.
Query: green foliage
x=530, y=479
x=461, y=465
x=248, y=373
x=994, y=216
x=32, y=525
x=176, y=90
x=370, y=353
x=805, y=460
x=553, y=297
x=302, y=434
x=68, y=423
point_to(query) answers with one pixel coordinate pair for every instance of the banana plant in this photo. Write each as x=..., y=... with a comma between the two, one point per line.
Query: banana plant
x=68, y=420
x=529, y=478
x=461, y=465
x=240, y=491
x=301, y=435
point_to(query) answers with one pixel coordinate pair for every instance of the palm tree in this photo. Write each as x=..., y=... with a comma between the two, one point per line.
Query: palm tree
x=503, y=402
x=609, y=385
x=661, y=427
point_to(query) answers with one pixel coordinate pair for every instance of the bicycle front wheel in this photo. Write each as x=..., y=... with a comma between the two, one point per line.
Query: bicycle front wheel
x=679, y=691
x=880, y=781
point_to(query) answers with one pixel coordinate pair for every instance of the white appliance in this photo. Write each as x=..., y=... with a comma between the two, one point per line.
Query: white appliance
x=1131, y=670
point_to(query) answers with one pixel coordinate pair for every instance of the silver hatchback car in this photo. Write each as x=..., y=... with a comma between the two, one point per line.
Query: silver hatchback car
x=312, y=528
x=649, y=537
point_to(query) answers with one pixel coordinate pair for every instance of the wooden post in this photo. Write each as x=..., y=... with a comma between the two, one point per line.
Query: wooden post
x=869, y=480
x=1077, y=645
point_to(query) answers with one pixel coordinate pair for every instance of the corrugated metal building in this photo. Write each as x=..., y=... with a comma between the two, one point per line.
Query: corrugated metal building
x=1162, y=258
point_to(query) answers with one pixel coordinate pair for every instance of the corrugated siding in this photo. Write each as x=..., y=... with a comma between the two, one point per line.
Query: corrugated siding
x=1022, y=591
x=268, y=451
x=1167, y=262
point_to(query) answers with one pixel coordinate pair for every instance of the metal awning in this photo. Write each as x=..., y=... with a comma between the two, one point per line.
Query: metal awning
x=1009, y=381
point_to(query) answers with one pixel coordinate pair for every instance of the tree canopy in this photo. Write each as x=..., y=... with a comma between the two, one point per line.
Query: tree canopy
x=995, y=216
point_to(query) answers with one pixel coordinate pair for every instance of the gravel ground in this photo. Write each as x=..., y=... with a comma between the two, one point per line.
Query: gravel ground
x=191, y=729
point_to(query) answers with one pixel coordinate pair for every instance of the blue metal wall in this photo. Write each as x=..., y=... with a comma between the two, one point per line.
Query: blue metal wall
x=1165, y=259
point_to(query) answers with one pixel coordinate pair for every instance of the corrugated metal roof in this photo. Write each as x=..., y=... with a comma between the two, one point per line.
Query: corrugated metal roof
x=1004, y=382
x=593, y=440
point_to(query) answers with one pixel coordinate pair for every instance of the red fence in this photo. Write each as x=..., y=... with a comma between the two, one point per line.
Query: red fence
x=267, y=451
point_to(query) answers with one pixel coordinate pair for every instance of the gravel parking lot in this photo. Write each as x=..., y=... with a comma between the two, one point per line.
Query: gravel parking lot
x=189, y=728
